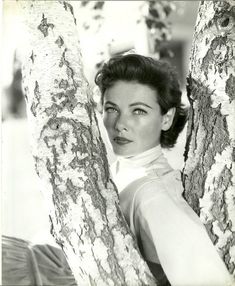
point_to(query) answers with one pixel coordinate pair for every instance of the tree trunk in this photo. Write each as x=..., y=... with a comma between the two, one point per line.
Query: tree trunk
x=70, y=157
x=209, y=168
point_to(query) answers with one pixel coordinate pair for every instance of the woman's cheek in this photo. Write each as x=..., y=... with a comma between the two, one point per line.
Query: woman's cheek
x=105, y=120
x=108, y=120
x=146, y=126
x=142, y=122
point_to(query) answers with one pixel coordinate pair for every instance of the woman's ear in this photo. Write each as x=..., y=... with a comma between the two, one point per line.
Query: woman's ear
x=167, y=119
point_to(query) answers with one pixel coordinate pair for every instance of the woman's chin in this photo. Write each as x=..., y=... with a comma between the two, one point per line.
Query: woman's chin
x=123, y=152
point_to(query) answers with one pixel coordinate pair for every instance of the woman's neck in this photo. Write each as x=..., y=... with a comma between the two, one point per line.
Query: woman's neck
x=143, y=157
x=128, y=169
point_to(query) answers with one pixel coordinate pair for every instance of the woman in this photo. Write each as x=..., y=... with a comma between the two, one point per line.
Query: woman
x=142, y=113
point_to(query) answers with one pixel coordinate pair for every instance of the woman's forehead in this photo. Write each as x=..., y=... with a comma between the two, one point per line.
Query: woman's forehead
x=130, y=91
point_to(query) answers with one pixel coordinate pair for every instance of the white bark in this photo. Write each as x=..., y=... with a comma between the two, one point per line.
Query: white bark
x=70, y=157
x=209, y=168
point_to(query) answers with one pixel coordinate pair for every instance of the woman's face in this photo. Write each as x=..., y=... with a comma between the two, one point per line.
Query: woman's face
x=132, y=117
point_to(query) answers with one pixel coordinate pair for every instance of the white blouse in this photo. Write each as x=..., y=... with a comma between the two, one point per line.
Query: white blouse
x=168, y=231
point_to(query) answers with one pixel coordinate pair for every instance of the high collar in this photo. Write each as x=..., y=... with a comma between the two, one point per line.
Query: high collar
x=141, y=159
x=127, y=170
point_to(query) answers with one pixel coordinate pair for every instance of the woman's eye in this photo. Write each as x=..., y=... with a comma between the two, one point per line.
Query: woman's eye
x=110, y=109
x=139, y=111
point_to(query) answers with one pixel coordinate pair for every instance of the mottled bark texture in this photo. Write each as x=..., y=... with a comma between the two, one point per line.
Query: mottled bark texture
x=209, y=168
x=70, y=157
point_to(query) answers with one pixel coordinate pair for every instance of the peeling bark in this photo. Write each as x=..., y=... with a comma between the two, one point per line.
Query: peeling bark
x=70, y=157
x=209, y=168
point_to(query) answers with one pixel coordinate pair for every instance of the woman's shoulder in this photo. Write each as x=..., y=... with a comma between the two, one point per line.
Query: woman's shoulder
x=151, y=195
x=147, y=189
x=154, y=185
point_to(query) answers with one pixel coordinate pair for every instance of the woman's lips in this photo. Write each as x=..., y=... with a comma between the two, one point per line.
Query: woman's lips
x=121, y=140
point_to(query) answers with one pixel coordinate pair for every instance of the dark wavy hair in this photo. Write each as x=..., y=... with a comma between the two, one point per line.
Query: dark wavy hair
x=156, y=74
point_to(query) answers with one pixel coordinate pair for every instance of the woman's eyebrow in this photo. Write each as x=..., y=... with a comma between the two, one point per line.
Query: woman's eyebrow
x=110, y=102
x=140, y=103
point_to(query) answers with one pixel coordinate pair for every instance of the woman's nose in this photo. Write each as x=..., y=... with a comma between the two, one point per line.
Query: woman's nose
x=121, y=123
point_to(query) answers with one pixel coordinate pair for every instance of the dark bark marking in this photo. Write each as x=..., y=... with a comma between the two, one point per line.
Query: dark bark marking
x=73, y=190
x=65, y=231
x=225, y=19
x=113, y=276
x=55, y=163
x=100, y=154
x=216, y=134
x=44, y=26
x=80, y=236
x=26, y=91
x=58, y=95
x=230, y=88
x=78, y=163
x=32, y=57
x=225, y=252
x=233, y=154
x=90, y=224
x=219, y=207
x=69, y=7
x=107, y=239
x=90, y=111
x=97, y=199
x=59, y=42
x=213, y=57
x=214, y=238
x=64, y=142
x=56, y=124
x=101, y=149
x=60, y=200
x=53, y=110
x=63, y=84
x=92, y=281
x=70, y=101
x=190, y=127
x=194, y=188
x=58, y=240
x=36, y=99
x=36, y=163
x=63, y=62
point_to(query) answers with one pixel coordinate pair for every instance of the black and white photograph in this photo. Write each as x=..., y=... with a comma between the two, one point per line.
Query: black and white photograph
x=117, y=143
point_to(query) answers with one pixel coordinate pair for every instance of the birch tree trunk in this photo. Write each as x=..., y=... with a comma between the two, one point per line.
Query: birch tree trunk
x=209, y=168
x=70, y=157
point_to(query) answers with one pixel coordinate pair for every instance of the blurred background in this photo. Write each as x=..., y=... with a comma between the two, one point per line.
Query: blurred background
x=160, y=29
